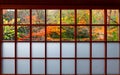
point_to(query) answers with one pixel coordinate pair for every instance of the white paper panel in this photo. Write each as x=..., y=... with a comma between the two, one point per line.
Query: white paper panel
x=83, y=50
x=113, y=66
x=23, y=66
x=97, y=66
x=23, y=49
x=113, y=50
x=98, y=49
x=8, y=49
x=68, y=66
x=68, y=49
x=83, y=66
x=53, y=49
x=38, y=66
x=53, y=66
x=38, y=49
x=8, y=66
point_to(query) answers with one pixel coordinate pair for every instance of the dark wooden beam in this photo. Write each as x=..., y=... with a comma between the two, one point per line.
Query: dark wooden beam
x=62, y=2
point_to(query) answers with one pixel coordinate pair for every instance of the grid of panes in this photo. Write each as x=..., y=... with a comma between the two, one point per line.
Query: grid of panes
x=66, y=41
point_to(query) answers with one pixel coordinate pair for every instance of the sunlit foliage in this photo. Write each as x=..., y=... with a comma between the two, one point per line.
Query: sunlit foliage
x=84, y=31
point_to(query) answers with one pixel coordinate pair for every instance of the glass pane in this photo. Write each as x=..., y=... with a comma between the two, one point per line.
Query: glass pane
x=98, y=50
x=68, y=17
x=97, y=66
x=53, y=66
x=113, y=66
x=23, y=16
x=83, y=16
x=38, y=16
x=98, y=33
x=38, y=50
x=23, y=33
x=112, y=16
x=83, y=67
x=23, y=49
x=83, y=50
x=38, y=66
x=53, y=16
x=23, y=66
x=112, y=33
x=83, y=33
x=97, y=16
x=8, y=66
x=8, y=33
x=8, y=49
x=8, y=16
x=53, y=33
x=113, y=50
x=38, y=33
x=68, y=33
x=68, y=49
x=68, y=66
x=53, y=50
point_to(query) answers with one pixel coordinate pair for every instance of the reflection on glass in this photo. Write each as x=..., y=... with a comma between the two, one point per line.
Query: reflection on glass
x=38, y=16
x=83, y=33
x=68, y=33
x=98, y=33
x=8, y=16
x=8, y=33
x=83, y=16
x=68, y=17
x=112, y=16
x=38, y=33
x=23, y=16
x=53, y=33
x=112, y=33
x=53, y=16
x=23, y=33
x=97, y=16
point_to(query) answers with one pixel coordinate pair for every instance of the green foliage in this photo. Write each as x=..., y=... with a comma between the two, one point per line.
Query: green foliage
x=9, y=33
x=69, y=33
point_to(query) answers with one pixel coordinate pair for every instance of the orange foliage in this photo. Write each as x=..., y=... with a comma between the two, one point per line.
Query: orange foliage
x=82, y=21
x=98, y=32
x=51, y=29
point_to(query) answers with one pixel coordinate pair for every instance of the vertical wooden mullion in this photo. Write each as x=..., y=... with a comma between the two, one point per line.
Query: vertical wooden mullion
x=45, y=42
x=30, y=41
x=75, y=41
x=15, y=41
x=105, y=39
x=90, y=41
x=1, y=37
x=60, y=43
x=119, y=39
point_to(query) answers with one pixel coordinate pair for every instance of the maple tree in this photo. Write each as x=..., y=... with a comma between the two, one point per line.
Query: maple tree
x=67, y=32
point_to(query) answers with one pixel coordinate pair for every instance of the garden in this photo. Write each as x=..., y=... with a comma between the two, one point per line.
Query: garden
x=52, y=26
